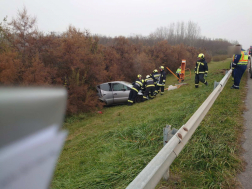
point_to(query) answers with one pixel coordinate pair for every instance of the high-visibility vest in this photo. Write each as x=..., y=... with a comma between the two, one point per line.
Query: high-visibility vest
x=178, y=71
x=244, y=58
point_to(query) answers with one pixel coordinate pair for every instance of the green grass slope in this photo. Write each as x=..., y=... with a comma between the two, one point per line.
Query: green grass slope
x=108, y=150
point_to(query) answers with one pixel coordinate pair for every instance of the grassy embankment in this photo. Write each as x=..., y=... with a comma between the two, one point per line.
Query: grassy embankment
x=108, y=150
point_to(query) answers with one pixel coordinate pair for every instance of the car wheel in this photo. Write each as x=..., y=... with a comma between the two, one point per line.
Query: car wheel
x=139, y=99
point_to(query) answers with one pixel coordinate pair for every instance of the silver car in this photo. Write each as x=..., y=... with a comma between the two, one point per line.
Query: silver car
x=116, y=92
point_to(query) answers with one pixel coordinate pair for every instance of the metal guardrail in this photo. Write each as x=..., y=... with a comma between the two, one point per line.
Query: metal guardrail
x=158, y=167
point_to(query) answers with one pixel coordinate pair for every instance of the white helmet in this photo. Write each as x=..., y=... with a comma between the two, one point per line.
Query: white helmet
x=147, y=76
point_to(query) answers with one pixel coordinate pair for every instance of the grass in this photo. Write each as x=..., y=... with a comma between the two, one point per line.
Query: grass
x=219, y=57
x=108, y=150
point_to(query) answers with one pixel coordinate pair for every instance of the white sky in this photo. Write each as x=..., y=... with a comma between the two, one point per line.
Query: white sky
x=229, y=19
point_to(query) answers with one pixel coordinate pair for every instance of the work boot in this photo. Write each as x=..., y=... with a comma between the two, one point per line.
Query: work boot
x=233, y=87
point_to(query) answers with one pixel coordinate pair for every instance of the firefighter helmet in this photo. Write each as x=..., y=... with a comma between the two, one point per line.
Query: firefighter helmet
x=161, y=67
x=147, y=76
x=201, y=56
x=139, y=75
x=155, y=71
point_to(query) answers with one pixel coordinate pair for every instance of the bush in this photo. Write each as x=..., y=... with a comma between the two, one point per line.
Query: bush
x=76, y=60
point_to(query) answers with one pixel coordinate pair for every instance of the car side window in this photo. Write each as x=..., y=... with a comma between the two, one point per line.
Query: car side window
x=119, y=87
x=105, y=87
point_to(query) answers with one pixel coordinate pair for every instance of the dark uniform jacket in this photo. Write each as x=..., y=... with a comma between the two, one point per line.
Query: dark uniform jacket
x=162, y=78
x=201, y=67
x=149, y=82
x=155, y=77
x=137, y=85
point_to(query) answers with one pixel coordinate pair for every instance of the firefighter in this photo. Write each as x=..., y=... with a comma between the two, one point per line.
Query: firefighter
x=149, y=88
x=178, y=72
x=201, y=68
x=143, y=87
x=240, y=62
x=155, y=77
x=161, y=83
x=137, y=85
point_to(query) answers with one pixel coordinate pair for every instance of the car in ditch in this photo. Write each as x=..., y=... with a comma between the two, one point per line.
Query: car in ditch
x=116, y=92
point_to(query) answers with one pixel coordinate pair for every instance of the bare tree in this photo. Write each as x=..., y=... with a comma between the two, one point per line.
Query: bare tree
x=24, y=30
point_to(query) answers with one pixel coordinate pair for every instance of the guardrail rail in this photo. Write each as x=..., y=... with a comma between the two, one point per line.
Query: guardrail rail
x=158, y=167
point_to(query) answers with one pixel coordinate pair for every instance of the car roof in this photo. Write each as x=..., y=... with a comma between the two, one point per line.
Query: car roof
x=122, y=82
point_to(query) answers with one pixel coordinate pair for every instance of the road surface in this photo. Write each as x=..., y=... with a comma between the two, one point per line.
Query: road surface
x=246, y=177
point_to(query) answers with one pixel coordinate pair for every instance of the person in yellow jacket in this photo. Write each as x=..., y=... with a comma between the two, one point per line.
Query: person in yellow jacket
x=178, y=72
x=240, y=61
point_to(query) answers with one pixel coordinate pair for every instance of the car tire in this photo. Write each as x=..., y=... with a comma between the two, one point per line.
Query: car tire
x=139, y=99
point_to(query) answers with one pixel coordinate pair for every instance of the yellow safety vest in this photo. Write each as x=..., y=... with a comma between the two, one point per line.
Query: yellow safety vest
x=178, y=70
x=244, y=58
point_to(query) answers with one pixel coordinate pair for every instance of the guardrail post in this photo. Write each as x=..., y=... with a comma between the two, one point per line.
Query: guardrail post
x=172, y=133
x=216, y=84
x=166, y=130
x=168, y=134
x=167, y=174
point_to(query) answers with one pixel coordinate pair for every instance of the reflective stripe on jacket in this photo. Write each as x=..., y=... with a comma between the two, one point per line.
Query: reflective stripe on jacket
x=149, y=82
x=201, y=67
x=137, y=85
x=244, y=58
x=162, y=78
x=155, y=77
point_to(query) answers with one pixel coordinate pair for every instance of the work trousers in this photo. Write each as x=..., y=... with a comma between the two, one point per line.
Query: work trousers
x=238, y=72
x=199, y=78
x=132, y=97
x=178, y=75
x=147, y=91
x=162, y=88
x=156, y=89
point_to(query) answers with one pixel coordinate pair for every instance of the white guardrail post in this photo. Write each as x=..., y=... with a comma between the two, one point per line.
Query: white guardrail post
x=149, y=177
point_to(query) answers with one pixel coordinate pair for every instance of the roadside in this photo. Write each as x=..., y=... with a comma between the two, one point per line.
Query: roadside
x=108, y=150
x=246, y=176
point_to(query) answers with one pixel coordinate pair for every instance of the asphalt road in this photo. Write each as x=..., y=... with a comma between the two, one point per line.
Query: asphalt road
x=246, y=177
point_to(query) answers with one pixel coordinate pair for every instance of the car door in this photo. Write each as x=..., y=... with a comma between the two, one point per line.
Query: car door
x=106, y=93
x=120, y=92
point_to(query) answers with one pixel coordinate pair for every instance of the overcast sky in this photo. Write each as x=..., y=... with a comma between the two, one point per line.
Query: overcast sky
x=229, y=19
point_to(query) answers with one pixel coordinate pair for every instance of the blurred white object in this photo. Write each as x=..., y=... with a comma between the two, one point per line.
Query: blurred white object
x=171, y=87
x=30, y=139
